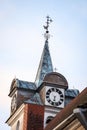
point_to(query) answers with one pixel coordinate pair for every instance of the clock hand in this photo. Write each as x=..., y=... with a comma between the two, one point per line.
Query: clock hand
x=54, y=98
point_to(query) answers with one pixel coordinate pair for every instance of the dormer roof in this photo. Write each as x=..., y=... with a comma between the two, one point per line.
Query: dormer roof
x=36, y=99
x=56, y=78
x=19, y=84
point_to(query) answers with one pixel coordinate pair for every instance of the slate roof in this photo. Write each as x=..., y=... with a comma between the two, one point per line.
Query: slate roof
x=71, y=93
x=27, y=85
x=45, y=65
x=35, y=99
x=16, y=83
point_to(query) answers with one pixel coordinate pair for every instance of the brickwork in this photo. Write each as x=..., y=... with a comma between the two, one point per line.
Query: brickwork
x=25, y=120
x=33, y=117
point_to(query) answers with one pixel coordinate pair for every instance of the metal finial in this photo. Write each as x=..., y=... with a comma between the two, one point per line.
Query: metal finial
x=47, y=35
x=55, y=69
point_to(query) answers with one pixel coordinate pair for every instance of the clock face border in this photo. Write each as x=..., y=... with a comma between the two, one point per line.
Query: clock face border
x=56, y=93
x=13, y=104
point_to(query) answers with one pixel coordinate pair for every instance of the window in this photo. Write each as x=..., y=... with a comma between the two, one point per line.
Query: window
x=18, y=125
x=49, y=118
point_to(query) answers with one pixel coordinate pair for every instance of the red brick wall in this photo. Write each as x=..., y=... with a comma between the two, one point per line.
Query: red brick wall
x=33, y=117
x=25, y=120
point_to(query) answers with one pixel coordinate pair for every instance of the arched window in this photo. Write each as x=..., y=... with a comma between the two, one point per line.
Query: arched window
x=49, y=118
x=18, y=125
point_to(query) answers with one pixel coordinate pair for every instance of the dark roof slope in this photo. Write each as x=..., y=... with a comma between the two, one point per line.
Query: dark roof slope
x=35, y=99
x=45, y=65
x=56, y=78
x=16, y=83
x=71, y=93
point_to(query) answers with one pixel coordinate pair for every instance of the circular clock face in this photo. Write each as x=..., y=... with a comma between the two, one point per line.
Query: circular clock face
x=54, y=96
x=13, y=103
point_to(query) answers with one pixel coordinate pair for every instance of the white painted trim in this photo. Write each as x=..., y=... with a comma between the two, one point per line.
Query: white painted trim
x=17, y=113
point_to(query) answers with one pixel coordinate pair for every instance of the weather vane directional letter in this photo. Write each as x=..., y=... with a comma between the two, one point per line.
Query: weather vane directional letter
x=47, y=35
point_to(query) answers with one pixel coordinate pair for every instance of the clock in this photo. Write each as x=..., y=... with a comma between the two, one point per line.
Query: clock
x=13, y=103
x=54, y=96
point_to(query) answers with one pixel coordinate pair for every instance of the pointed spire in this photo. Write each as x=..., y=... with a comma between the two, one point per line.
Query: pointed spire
x=45, y=65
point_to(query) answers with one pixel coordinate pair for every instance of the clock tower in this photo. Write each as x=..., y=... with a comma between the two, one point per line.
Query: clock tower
x=35, y=104
x=52, y=92
x=51, y=85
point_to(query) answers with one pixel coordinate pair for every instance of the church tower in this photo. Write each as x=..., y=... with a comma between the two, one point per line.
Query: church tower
x=35, y=104
x=51, y=85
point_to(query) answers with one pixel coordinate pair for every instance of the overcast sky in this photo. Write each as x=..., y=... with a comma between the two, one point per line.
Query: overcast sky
x=22, y=41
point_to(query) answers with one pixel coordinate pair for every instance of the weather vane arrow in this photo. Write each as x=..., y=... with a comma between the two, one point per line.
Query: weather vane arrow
x=47, y=35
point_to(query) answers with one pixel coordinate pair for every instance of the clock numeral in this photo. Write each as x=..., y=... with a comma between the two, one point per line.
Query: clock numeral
x=48, y=93
x=61, y=99
x=49, y=100
x=60, y=92
x=61, y=95
x=49, y=90
x=57, y=90
x=60, y=102
x=47, y=96
x=52, y=89
x=53, y=103
x=57, y=103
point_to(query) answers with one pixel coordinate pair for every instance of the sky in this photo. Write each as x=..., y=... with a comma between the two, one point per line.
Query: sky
x=22, y=41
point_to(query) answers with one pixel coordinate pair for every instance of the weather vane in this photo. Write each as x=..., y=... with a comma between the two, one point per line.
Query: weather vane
x=47, y=35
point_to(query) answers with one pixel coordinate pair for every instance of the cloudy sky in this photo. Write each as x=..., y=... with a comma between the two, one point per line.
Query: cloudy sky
x=22, y=41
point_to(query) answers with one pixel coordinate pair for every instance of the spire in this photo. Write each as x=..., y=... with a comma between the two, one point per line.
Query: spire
x=45, y=65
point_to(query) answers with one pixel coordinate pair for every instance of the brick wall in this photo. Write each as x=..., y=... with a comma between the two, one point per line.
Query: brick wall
x=33, y=117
